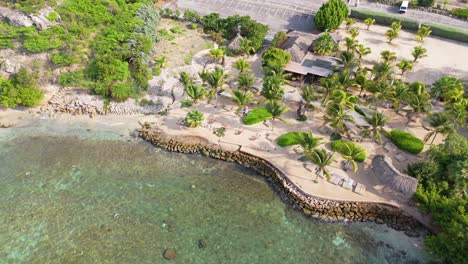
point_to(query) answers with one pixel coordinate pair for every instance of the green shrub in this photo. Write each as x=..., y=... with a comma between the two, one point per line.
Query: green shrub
x=341, y=145
x=460, y=12
x=193, y=26
x=425, y=3
x=405, y=141
x=52, y=16
x=256, y=116
x=122, y=91
x=63, y=60
x=186, y=103
x=335, y=136
x=69, y=79
x=145, y=102
x=279, y=39
x=22, y=89
x=220, y=131
x=411, y=24
x=324, y=44
x=330, y=15
x=301, y=118
x=194, y=118
x=39, y=43
x=176, y=30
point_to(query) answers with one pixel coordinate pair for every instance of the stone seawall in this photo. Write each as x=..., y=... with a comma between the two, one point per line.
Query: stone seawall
x=311, y=206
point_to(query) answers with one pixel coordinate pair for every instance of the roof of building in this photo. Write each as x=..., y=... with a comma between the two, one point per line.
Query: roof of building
x=383, y=167
x=295, y=67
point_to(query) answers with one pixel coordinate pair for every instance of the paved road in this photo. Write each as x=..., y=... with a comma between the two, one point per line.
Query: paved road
x=294, y=14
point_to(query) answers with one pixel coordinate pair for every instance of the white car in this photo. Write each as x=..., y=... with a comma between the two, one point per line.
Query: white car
x=404, y=7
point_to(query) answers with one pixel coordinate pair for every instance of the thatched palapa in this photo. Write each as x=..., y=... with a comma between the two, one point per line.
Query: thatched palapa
x=383, y=167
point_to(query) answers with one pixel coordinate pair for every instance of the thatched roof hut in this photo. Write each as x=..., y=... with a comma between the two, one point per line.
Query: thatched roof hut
x=383, y=167
x=298, y=44
x=235, y=43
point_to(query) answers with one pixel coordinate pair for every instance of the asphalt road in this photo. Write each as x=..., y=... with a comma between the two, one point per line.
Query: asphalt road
x=295, y=14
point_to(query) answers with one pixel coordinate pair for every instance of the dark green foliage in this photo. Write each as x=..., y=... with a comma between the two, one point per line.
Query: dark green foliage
x=70, y=79
x=425, y=3
x=411, y=24
x=275, y=56
x=192, y=16
x=341, y=147
x=301, y=118
x=406, y=141
x=63, y=59
x=256, y=116
x=442, y=181
x=460, y=12
x=29, y=6
x=279, y=39
x=122, y=91
x=324, y=45
x=21, y=90
x=330, y=15
x=186, y=103
x=335, y=136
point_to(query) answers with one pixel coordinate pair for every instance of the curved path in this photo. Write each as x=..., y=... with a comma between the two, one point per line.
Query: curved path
x=296, y=14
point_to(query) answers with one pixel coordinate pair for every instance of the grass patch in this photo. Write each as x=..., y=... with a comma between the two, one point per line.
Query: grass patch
x=166, y=34
x=256, y=116
x=406, y=141
x=177, y=30
x=411, y=24
x=341, y=147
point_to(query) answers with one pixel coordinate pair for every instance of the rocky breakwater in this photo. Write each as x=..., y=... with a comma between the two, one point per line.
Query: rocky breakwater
x=311, y=206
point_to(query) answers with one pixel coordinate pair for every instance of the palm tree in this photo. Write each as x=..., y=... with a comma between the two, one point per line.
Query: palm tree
x=351, y=44
x=246, y=46
x=404, y=66
x=245, y=81
x=242, y=99
x=391, y=34
x=419, y=100
x=272, y=89
x=457, y=112
x=362, y=51
x=194, y=118
x=324, y=44
x=204, y=74
x=382, y=71
x=376, y=121
x=398, y=93
x=343, y=80
x=441, y=124
x=242, y=65
x=276, y=109
x=195, y=92
x=216, y=54
x=388, y=56
x=350, y=154
x=361, y=82
x=396, y=26
x=343, y=98
x=329, y=85
x=369, y=22
x=216, y=80
x=308, y=94
x=418, y=52
x=380, y=90
x=448, y=89
x=337, y=115
x=422, y=33
x=308, y=142
x=322, y=159
x=185, y=78
x=349, y=23
x=348, y=60
x=354, y=32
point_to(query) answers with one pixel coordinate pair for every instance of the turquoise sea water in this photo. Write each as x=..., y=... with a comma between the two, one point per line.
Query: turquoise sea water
x=94, y=197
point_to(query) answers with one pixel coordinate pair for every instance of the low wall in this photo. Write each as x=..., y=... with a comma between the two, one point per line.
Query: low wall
x=311, y=206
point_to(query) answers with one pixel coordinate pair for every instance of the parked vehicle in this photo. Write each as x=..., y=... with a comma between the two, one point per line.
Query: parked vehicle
x=404, y=7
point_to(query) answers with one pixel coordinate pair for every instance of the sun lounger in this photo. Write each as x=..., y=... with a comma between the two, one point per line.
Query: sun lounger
x=336, y=179
x=348, y=184
x=359, y=189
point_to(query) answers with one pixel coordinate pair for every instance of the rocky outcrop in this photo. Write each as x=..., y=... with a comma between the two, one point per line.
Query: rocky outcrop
x=17, y=18
x=383, y=167
x=311, y=206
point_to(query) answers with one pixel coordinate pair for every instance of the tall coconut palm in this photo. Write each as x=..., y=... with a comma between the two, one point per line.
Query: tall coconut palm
x=418, y=52
x=382, y=71
x=242, y=65
x=354, y=32
x=343, y=98
x=391, y=34
x=322, y=159
x=422, y=33
x=361, y=82
x=343, y=80
x=216, y=80
x=337, y=116
x=362, y=51
x=216, y=54
x=242, y=99
x=246, y=46
x=448, y=88
x=398, y=93
x=195, y=92
x=441, y=124
x=328, y=85
x=419, y=100
x=308, y=94
x=276, y=109
x=369, y=22
x=404, y=66
x=376, y=121
x=272, y=89
x=350, y=154
x=388, y=56
x=245, y=81
x=308, y=142
x=349, y=60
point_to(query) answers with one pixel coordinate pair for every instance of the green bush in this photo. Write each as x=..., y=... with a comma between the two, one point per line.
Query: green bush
x=176, y=30
x=69, y=79
x=405, y=141
x=256, y=116
x=63, y=60
x=460, y=12
x=341, y=145
x=330, y=15
x=411, y=24
x=22, y=89
x=194, y=118
x=425, y=3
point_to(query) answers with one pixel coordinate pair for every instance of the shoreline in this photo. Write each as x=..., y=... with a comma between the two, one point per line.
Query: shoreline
x=311, y=206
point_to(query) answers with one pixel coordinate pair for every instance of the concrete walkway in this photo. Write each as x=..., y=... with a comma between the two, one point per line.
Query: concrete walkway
x=295, y=14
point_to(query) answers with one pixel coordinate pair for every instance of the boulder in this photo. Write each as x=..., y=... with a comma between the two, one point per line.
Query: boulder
x=15, y=17
x=169, y=254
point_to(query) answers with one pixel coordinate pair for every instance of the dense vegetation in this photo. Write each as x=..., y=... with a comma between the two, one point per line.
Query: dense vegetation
x=442, y=181
x=22, y=89
x=330, y=15
x=406, y=141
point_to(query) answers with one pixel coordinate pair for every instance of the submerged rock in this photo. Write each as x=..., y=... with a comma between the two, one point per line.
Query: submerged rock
x=169, y=253
x=201, y=243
